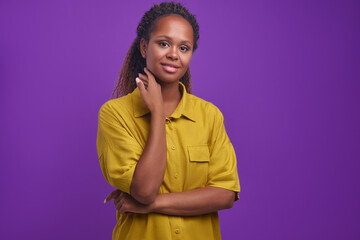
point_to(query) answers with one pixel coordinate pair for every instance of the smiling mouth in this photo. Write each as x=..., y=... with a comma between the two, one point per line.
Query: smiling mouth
x=169, y=68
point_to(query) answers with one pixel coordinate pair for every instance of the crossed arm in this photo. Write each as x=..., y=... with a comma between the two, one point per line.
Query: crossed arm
x=150, y=170
x=147, y=179
x=188, y=203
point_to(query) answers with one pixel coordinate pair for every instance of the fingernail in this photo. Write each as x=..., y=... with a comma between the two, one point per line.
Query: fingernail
x=105, y=200
x=137, y=80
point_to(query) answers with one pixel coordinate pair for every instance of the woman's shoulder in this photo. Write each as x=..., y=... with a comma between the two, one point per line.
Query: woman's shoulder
x=116, y=102
x=203, y=106
x=117, y=106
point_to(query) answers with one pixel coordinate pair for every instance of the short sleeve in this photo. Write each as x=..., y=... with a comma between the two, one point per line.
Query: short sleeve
x=118, y=151
x=223, y=165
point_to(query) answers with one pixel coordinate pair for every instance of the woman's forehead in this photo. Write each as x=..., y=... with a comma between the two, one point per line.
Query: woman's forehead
x=173, y=26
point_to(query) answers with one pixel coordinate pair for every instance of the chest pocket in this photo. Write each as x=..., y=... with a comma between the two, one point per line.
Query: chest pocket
x=199, y=157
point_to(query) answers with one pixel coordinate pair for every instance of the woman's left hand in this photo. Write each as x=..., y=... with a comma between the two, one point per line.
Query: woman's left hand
x=126, y=204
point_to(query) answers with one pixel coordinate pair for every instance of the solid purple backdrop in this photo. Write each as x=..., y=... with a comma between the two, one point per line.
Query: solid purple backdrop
x=285, y=74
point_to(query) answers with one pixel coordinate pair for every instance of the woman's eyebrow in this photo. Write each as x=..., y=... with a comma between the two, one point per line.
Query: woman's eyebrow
x=167, y=37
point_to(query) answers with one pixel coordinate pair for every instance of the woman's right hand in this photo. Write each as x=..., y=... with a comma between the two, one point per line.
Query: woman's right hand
x=150, y=92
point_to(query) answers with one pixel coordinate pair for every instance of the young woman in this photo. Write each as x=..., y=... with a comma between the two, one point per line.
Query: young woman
x=165, y=150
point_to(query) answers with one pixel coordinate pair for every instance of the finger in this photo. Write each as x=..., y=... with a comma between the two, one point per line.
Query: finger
x=144, y=84
x=112, y=195
x=151, y=77
x=120, y=200
x=143, y=77
x=148, y=73
x=141, y=86
x=122, y=209
x=118, y=205
x=116, y=200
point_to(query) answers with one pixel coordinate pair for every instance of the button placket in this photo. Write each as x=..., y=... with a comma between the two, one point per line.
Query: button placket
x=170, y=125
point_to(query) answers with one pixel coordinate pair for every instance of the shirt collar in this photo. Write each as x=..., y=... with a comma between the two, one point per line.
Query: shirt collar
x=184, y=108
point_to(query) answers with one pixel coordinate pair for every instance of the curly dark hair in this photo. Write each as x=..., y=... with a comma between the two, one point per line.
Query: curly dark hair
x=135, y=63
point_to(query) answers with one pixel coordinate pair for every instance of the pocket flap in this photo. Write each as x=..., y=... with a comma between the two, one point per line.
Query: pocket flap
x=199, y=153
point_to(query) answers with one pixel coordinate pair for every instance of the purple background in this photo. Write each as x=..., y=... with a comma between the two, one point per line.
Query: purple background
x=285, y=74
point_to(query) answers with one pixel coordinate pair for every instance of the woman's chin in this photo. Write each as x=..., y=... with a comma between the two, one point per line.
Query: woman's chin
x=165, y=80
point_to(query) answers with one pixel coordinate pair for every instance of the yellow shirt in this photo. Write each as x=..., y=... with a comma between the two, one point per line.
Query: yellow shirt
x=199, y=154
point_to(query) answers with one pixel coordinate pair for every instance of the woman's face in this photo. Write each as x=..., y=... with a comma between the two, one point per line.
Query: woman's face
x=169, y=50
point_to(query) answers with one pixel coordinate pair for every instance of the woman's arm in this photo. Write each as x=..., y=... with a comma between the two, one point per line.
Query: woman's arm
x=188, y=203
x=150, y=169
x=193, y=202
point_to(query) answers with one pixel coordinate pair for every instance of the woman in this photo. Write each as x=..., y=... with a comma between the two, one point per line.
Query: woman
x=165, y=150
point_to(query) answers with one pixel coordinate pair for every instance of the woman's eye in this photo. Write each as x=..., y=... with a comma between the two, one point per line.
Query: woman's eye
x=184, y=49
x=162, y=44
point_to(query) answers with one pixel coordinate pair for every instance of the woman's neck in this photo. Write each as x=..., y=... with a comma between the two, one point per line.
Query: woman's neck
x=171, y=97
x=171, y=93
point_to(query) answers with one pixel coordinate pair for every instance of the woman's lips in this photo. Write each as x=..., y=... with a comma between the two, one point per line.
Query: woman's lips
x=169, y=68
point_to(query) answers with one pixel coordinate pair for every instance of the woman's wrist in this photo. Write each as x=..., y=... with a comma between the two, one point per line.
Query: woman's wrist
x=158, y=114
x=152, y=206
x=155, y=206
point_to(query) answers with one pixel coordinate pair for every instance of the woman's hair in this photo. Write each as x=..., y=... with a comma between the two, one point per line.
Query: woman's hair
x=135, y=63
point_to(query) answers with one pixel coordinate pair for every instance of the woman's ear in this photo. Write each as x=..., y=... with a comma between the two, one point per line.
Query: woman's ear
x=143, y=47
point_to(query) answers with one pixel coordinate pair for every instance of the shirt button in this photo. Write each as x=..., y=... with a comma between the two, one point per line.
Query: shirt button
x=176, y=175
x=173, y=147
x=177, y=231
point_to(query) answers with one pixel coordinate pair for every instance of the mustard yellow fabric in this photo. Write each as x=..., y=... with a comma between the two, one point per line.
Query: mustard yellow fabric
x=199, y=154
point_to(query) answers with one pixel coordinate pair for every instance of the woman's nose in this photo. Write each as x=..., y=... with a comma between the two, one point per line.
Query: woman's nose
x=172, y=53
